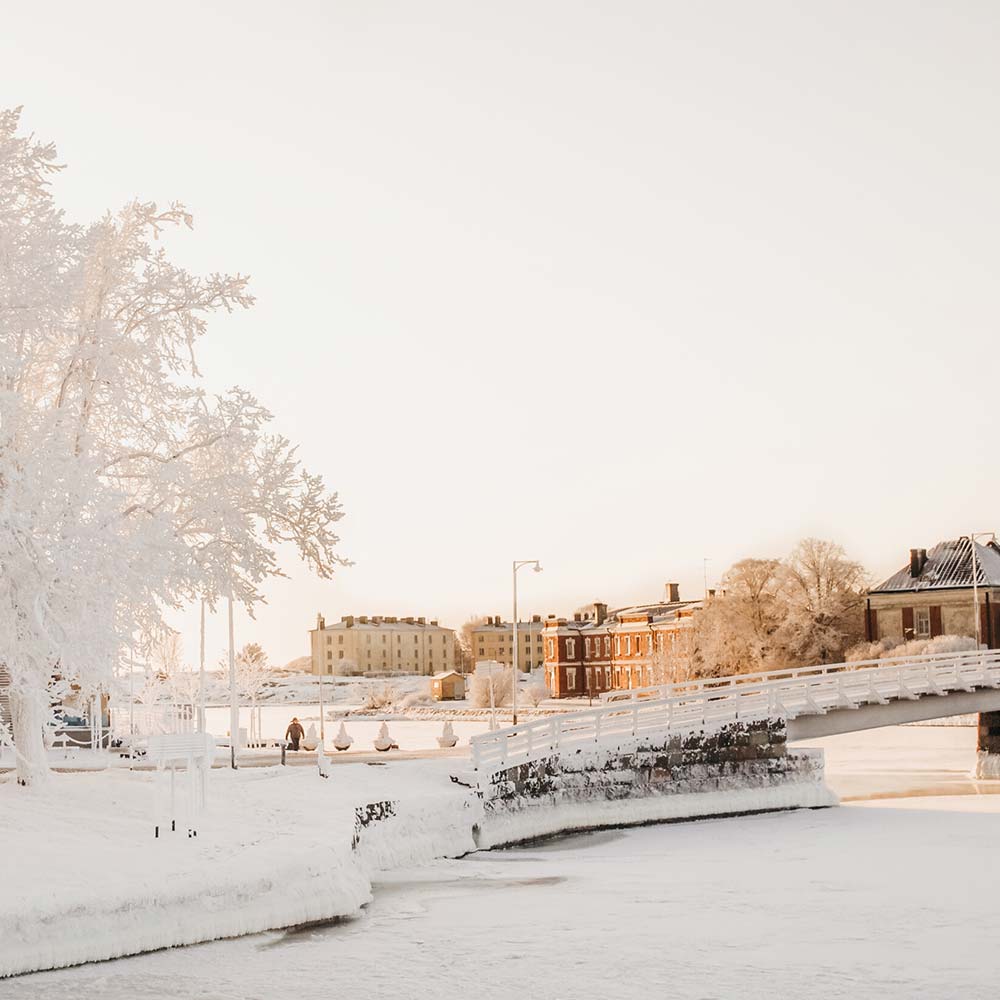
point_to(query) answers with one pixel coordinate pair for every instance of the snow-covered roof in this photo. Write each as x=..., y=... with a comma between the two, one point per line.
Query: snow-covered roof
x=446, y=673
x=378, y=623
x=949, y=565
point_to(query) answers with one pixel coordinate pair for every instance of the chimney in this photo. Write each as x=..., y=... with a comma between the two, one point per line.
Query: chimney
x=348, y=620
x=320, y=621
x=576, y=616
x=916, y=565
x=421, y=620
x=408, y=620
x=600, y=612
x=434, y=621
x=362, y=619
x=711, y=592
x=673, y=593
x=536, y=619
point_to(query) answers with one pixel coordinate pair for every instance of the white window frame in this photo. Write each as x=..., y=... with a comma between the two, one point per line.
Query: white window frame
x=919, y=615
x=571, y=649
x=570, y=678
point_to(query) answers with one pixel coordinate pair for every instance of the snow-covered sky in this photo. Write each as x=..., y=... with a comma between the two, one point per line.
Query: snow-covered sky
x=621, y=287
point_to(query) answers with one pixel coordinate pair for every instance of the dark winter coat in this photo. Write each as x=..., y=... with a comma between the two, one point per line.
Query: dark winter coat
x=295, y=732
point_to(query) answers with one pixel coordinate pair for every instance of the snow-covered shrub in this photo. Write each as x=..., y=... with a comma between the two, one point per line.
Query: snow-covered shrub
x=415, y=698
x=890, y=647
x=379, y=696
x=479, y=688
x=535, y=694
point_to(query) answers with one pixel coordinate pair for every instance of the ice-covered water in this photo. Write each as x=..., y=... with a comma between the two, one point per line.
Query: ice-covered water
x=888, y=898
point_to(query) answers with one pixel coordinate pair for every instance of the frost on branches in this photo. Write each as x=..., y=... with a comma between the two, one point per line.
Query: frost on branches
x=125, y=488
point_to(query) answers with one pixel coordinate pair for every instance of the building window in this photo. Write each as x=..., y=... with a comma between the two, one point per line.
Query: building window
x=329, y=639
x=552, y=649
x=570, y=650
x=618, y=645
x=340, y=654
x=329, y=654
x=588, y=648
x=922, y=623
x=481, y=651
x=570, y=678
x=340, y=640
x=628, y=645
x=607, y=677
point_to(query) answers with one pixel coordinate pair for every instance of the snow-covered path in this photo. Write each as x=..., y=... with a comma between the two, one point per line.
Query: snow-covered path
x=890, y=897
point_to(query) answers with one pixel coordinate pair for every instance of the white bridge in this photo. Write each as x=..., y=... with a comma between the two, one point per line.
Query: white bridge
x=815, y=701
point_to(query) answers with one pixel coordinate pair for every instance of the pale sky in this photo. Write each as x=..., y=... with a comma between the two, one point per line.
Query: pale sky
x=617, y=286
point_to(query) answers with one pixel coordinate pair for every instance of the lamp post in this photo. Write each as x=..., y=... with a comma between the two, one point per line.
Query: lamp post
x=234, y=705
x=975, y=584
x=518, y=564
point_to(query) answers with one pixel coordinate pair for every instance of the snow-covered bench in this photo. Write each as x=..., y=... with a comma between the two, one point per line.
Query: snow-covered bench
x=193, y=751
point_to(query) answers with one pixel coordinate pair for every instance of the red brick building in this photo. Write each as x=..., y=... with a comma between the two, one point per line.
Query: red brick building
x=629, y=648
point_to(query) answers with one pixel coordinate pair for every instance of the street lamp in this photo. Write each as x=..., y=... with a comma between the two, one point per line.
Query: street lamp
x=518, y=564
x=975, y=583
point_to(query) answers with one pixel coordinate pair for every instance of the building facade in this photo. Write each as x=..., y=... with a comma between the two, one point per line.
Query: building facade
x=494, y=640
x=628, y=648
x=934, y=595
x=377, y=646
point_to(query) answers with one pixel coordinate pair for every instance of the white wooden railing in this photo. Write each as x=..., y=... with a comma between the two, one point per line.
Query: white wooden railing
x=777, y=694
x=661, y=691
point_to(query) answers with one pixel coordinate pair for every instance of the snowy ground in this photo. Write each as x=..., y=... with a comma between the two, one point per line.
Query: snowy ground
x=891, y=897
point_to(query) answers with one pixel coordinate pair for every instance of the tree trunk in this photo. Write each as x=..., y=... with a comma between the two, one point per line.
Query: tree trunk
x=27, y=716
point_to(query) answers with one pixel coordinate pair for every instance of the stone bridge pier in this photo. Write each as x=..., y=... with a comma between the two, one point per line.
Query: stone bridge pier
x=988, y=745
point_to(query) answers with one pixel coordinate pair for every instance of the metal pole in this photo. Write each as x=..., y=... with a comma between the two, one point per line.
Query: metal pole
x=493, y=707
x=513, y=654
x=234, y=707
x=131, y=698
x=322, y=724
x=975, y=590
x=201, y=674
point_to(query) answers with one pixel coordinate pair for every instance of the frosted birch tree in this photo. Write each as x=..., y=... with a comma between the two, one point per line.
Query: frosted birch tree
x=126, y=487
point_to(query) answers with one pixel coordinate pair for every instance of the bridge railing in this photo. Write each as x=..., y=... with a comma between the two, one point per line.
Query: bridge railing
x=777, y=694
x=660, y=691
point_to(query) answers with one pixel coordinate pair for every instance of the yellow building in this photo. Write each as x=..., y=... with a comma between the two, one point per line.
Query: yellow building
x=494, y=640
x=377, y=646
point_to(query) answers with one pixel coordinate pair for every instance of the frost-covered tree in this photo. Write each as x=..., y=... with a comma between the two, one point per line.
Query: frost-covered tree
x=823, y=604
x=252, y=674
x=776, y=613
x=126, y=488
x=735, y=632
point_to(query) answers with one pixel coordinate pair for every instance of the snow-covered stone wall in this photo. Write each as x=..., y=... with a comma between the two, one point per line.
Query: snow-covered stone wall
x=737, y=768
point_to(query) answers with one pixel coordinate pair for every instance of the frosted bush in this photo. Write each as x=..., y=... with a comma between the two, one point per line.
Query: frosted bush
x=415, y=698
x=379, y=696
x=479, y=689
x=535, y=694
x=891, y=647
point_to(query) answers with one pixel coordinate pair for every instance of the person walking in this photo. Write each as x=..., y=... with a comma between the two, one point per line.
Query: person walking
x=294, y=733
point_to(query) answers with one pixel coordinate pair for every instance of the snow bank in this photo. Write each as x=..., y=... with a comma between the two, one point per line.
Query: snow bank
x=546, y=819
x=85, y=880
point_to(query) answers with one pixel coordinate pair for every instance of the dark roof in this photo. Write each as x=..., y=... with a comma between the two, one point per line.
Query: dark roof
x=949, y=565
